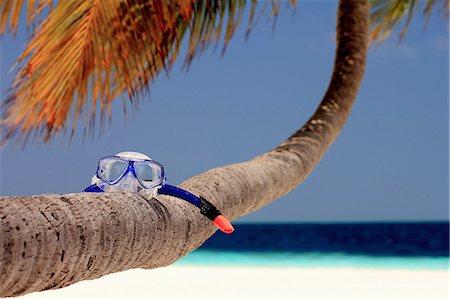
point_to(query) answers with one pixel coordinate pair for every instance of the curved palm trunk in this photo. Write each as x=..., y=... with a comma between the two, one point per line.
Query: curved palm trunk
x=50, y=241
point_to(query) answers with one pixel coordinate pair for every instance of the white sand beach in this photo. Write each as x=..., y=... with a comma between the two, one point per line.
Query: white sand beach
x=180, y=281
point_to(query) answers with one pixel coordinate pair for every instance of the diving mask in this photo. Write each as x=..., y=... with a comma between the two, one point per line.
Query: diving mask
x=129, y=171
x=136, y=172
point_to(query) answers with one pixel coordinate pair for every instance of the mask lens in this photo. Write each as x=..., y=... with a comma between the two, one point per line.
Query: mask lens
x=111, y=169
x=148, y=173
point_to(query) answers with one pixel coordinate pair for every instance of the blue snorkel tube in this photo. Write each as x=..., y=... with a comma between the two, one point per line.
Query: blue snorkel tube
x=132, y=172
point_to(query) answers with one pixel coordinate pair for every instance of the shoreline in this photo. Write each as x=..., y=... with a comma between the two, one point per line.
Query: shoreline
x=207, y=257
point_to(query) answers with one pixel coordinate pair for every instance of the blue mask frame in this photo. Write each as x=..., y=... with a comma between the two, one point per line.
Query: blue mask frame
x=131, y=169
x=207, y=209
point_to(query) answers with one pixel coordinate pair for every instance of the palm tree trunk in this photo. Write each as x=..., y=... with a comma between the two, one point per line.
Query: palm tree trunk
x=50, y=241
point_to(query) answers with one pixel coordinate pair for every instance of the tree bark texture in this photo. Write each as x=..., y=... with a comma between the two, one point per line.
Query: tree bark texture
x=50, y=241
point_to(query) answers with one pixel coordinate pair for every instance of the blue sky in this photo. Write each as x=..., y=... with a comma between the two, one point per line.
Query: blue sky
x=389, y=163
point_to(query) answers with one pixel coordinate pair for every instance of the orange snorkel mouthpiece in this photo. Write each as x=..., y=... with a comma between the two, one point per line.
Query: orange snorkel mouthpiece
x=224, y=224
x=209, y=210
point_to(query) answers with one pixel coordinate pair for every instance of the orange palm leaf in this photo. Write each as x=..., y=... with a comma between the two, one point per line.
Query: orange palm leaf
x=88, y=52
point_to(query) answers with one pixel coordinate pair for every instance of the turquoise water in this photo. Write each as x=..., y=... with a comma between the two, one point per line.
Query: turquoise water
x=415, y=245
x=287, y=259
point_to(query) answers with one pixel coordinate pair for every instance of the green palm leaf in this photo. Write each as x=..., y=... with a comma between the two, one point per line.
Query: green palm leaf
x=387, y=14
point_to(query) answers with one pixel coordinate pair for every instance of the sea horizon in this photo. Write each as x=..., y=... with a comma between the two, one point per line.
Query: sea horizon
x=382, y=244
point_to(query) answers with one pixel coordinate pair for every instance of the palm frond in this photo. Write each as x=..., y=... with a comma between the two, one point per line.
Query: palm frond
x=11, y=10
x=387, y=14
x=88, y=52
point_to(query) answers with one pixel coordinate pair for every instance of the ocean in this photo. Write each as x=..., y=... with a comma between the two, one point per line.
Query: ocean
x=375, y=245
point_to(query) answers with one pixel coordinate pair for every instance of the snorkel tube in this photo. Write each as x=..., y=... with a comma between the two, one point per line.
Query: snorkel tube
x=118, y=173
x=207, y=209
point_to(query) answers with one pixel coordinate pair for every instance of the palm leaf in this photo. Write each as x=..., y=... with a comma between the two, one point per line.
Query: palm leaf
x=387, y=14
x=88, y=52
x=11, y=9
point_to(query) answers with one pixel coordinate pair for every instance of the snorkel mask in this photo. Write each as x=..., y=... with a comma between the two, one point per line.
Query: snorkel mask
x=136, y=172
x=129, y=172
